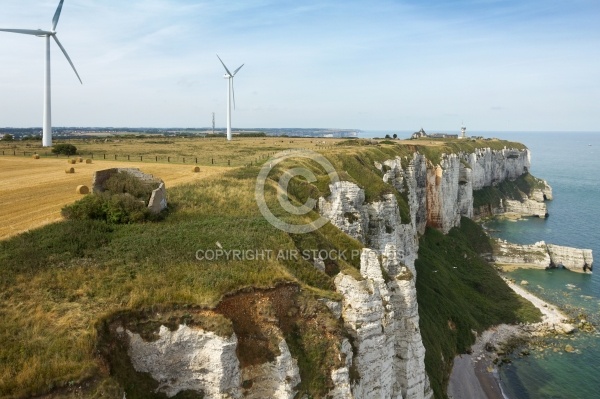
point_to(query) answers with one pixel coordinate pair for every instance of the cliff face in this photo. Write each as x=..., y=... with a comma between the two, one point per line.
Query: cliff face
x=382, y=313
x=491, y=167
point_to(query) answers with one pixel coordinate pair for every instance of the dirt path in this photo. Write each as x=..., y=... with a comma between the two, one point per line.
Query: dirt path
x=32, y=192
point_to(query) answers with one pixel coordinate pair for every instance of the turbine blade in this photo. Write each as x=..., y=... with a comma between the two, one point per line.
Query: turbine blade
x=33, y=32
x=57, y=15
x=236, y=71
x=224, y=65
x=233, y=90
x=67, y=56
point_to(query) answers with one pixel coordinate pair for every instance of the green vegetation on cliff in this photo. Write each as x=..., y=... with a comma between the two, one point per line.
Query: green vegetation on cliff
x=458, y=292
x=514, y=190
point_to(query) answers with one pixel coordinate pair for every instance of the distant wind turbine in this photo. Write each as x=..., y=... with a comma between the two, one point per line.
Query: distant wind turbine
x=47, y=123
x=230, y=90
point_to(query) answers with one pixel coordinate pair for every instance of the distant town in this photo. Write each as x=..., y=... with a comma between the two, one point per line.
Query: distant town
x=24, y=134
x=94, y=132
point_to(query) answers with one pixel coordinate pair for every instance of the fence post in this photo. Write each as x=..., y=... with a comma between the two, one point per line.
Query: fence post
x=196, y=159
x=104, y=156
x=169, y=159
x=183, y=160
x=212, y=161
x=141, y=158
x=115, y=157
x=128, y=157
x=157, y=158
x=228, y=162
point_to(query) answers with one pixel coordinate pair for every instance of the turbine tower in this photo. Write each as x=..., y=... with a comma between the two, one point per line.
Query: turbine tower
x=230, y=90
x=47, y=122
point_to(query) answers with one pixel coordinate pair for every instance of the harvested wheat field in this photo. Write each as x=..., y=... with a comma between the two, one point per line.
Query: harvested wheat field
x=34, y=191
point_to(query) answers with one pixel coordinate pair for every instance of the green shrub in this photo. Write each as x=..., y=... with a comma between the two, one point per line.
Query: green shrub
x=112, y=208
x=64, y=149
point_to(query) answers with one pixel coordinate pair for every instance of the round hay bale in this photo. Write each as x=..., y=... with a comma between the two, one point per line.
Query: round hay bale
x=88, y=161
x=82, y=190
x=71, y=161
x=36, y=156
x=196, y=169
x=80, y=160
x=70, y=170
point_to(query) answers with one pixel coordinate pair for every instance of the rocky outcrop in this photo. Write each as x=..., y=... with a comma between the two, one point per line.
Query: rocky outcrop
x=533, y=256
x=491, y=167
x=543, y=256
x=382, y=318
x=189, y=359
x=574, y=259
x=526, y=207
x=277, y=379
x=158, y=199
x=449, y=193
x=382, y=314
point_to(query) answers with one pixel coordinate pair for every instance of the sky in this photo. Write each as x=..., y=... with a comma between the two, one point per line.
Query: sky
x=494, y=65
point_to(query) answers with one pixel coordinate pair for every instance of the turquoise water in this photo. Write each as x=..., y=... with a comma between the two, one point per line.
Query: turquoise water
x=571, y=166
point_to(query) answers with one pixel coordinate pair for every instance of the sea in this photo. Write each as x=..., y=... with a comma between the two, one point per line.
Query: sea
x=570, y=162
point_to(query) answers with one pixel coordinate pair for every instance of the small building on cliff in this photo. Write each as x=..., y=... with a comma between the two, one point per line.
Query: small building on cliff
x=422, y=134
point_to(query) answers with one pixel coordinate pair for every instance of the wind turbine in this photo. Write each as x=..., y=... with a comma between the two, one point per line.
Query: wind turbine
x=229, y=76
x=47, y=123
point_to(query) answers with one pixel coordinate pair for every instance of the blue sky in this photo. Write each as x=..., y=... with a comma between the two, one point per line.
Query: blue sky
x=373, y=65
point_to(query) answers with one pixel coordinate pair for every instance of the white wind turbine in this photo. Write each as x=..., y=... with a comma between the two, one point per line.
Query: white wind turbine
x=229, y=76
x=47, y=123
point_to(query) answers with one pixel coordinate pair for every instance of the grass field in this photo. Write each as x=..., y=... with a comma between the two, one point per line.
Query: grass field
x=34, y=190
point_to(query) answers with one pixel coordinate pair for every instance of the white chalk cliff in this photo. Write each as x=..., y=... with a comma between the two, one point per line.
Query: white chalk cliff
x=189, y=359
x=194, y=359
x=382, y=314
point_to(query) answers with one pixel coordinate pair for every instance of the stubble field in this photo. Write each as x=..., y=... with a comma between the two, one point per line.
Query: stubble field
x=35, y=190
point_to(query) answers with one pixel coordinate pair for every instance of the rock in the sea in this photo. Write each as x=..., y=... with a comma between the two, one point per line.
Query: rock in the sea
x=580, y=260
x=543, y=256
x=569, y=348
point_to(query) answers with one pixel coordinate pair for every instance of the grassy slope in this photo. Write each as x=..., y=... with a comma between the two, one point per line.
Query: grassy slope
x=458, y=292
x=58, y=282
